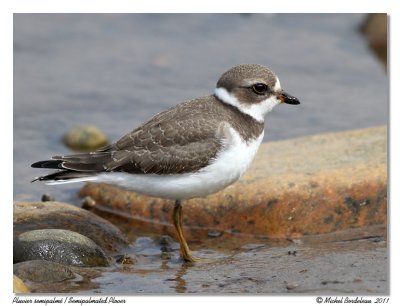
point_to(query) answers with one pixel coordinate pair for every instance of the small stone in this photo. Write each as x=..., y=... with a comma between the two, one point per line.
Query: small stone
x=214, y=233
x=58, y=245
x=85, y=138
x=88, y=203
x=167, y=244
x=125, y=259
x=46, y=197
x=166, y=240
x=291, y=286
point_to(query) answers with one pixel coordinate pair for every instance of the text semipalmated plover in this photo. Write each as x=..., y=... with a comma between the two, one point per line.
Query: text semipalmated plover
x=191, y=150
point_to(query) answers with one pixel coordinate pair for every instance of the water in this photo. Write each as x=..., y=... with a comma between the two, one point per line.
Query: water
x=118, y=70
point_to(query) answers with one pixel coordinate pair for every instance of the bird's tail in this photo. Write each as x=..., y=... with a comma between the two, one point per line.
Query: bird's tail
x=61, y=176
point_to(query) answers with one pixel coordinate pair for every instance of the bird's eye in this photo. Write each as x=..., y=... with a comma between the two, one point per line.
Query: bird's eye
x=259, y=88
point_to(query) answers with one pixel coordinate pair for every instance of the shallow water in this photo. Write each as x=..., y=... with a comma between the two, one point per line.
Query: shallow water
x=348, y=262
x=117, y=70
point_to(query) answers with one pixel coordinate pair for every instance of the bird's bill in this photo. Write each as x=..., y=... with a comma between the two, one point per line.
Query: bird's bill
x=284, y=97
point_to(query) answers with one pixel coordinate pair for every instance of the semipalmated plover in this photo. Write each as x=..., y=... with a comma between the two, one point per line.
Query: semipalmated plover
x=191, y=150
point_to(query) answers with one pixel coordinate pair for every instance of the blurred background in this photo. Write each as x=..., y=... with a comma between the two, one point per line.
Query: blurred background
x=115, y=71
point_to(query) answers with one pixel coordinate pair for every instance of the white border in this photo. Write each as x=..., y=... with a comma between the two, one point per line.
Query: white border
x=178, y=6
x=8, y=7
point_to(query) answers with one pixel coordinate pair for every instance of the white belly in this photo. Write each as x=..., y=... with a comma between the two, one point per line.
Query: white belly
x=227, y=167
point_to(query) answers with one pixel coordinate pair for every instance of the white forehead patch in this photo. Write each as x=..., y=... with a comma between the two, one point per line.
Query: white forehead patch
x=277, y=86
x=255, y=110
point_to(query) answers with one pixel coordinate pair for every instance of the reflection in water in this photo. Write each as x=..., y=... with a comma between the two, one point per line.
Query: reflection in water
x=180, y=286
x=180, y=281
x=164, y=264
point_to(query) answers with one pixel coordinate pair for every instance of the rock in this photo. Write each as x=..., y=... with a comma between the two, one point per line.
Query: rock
x=85, y=138
x=375, y=30
x=46, y=197
x=167, y=244
x=40, y=271
x=214, y=233
x=19, y=286
x=62, y=246
x=309, y=185
x=52, y=277
x=291, y=286
x=49, y=215
x=88, y=203
x=125, y=259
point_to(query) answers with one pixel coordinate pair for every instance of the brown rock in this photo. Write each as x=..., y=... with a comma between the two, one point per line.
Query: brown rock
x=375, y=30
x=309, y=185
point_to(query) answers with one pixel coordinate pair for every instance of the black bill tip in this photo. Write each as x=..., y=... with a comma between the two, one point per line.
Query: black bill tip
x=288, y=99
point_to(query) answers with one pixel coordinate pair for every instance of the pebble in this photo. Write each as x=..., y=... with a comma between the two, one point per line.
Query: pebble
x=125, y=259
x=214, y=233
x=291, y=286
x=46, y=197
x=88, y=203
x=85, y=138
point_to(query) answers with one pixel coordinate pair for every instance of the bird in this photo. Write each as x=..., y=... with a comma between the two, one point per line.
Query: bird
x=194, y=149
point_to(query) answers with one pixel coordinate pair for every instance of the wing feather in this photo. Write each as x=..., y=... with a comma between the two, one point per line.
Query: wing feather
x=176, y=141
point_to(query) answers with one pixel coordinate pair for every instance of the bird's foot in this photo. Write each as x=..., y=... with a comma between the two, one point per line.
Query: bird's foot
x=188, y=257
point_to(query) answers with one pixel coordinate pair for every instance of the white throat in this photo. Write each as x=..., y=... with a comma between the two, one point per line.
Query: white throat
x=256, y=110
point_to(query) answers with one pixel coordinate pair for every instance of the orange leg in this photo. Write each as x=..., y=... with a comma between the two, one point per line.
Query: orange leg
x=177, y=220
